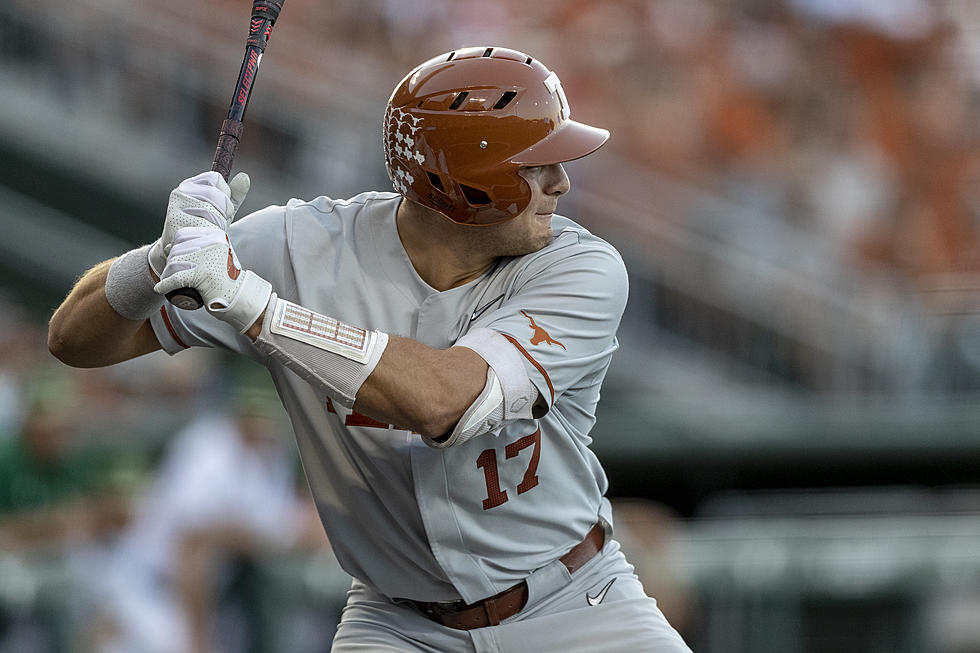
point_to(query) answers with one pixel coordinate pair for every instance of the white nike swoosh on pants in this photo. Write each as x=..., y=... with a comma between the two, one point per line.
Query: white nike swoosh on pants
x=597, y=599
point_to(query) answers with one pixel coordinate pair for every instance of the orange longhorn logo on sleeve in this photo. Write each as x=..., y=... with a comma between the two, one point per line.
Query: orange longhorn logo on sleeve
x=540, y=335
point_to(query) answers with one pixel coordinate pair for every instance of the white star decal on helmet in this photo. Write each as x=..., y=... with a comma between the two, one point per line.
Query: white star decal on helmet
x=401, y=127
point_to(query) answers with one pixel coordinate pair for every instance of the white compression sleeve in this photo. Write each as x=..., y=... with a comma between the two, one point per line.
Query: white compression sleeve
x=331, y=355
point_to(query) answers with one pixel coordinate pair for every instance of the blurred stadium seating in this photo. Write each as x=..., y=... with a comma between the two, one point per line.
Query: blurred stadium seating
x=791, y=182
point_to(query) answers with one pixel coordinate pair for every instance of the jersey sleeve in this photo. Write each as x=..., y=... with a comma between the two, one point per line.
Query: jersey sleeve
x=261, y=243
x=564, y=314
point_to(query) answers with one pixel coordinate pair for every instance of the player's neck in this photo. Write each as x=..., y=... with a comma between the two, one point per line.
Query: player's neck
x=443, y=253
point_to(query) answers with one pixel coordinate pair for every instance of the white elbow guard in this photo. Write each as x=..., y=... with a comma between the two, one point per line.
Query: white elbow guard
x=485, y=414
x=507, y=396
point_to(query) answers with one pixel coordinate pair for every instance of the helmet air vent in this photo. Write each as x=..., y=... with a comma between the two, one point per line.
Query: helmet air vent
x=459, y=100
x=436, y=182
x=474, y=196
x=505, y=99
x=488, y=52
x=451, y=55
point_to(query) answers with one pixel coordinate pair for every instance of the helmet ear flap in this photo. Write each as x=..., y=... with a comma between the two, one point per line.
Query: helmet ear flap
x=475, y=197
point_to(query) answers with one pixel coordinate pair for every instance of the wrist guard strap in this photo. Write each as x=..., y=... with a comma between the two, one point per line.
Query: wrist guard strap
x=331, y=355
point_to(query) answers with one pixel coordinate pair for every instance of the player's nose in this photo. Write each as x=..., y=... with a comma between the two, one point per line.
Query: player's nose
x=555, y=180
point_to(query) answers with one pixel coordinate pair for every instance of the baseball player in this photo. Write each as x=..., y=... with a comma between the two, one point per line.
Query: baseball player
x=439, y=351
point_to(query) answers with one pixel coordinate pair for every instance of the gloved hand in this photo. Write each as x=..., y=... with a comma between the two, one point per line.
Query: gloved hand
x=203, y=258
x=205, y=200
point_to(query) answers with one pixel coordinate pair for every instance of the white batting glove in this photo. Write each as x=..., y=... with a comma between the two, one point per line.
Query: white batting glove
x=205, y=200
x=203, y=258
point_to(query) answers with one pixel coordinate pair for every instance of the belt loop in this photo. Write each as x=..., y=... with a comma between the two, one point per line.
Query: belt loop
x=606, y=517
x=490, y=607
x=542, y=582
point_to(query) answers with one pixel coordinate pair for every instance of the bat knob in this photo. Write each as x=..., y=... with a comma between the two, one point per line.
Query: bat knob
x=187, y=299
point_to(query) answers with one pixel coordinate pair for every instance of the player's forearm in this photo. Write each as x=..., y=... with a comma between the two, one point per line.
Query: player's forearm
x=421, y=388
x=85, y=331
x=388, y=378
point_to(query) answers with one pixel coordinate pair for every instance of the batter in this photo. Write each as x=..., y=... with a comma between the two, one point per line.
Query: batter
x=439, y=350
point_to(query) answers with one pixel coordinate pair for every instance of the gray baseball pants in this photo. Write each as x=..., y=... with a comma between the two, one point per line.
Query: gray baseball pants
x=557, y=617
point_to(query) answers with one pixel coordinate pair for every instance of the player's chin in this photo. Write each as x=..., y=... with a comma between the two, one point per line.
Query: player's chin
x=546, y=234
x=519, y=238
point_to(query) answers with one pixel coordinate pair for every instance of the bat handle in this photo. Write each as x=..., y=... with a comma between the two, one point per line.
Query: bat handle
x=264, y=15
x=190, y=299
x=228, y=139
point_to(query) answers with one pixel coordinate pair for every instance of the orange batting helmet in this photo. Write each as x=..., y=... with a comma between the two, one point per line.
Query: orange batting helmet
x=458, y=128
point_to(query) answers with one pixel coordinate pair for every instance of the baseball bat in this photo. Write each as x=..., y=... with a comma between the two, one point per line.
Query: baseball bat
x=264, y=16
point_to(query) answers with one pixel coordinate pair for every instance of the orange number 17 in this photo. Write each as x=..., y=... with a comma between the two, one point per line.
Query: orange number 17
x=487, y=461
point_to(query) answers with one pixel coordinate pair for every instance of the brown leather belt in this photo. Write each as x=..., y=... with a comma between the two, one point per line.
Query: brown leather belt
x=491, y=611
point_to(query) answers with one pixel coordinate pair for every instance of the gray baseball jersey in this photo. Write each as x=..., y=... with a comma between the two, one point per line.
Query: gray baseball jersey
x=413, y=521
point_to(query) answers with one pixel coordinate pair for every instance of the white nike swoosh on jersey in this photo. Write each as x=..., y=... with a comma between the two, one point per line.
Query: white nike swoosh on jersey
x=597, y=599
x=480, y=311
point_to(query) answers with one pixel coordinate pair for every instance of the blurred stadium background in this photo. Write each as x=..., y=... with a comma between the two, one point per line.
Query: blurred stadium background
x=791, y=425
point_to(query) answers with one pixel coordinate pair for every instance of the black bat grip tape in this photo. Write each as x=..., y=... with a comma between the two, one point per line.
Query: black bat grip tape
x=228, y=139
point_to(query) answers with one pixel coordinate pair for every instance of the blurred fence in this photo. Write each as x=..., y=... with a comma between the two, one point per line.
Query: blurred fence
x=883, y=571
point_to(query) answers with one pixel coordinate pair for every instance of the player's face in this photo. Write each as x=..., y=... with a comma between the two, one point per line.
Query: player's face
x=531, y=229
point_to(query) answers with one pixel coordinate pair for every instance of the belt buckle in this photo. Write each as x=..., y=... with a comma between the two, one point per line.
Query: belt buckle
x=440, y=608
